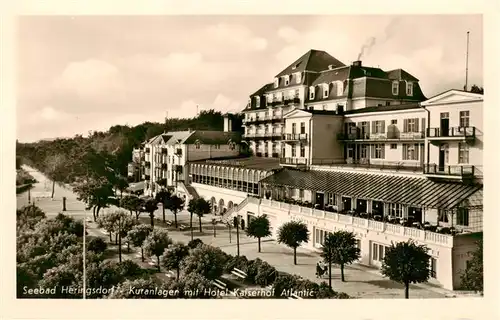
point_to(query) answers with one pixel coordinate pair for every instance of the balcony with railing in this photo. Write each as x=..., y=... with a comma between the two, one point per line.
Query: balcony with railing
x=454, y=133
x=433, y=170
x=390, y=136
x=284, y=102
x=294, y=137
x=366, y=163
x=294, y=162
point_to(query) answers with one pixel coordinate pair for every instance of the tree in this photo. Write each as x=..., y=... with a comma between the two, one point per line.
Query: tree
x=97, y=193
x=54, y=169
x=173, y=257
x=119, y=223
x=62, y=276
x=406, y=262
x=150, y=206
x=175, y=204
x=293, y=234
x=477, y=89
x=97, y=245
x=259, y=228
x=163, y=197
x=121, y=184
x=205, y=260
x=472, y=277
x=107, y=222
x=129, y=203
x=156, y=243
x=138, y=234
x=340, y=248
x=199, y=207
x=194, y=282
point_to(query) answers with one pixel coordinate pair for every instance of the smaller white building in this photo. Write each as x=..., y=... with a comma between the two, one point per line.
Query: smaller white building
x=167, y=155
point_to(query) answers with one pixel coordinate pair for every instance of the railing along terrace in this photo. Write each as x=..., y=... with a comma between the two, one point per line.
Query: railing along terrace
x=293, y=161
x=294, y=136
x=453, y=170
x=380, y=136
x=425, y=232
x=467, y=132
x=365, y=163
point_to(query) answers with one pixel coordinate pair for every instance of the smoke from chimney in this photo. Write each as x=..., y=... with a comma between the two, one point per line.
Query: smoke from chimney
x=390, y=30
x=367, y=46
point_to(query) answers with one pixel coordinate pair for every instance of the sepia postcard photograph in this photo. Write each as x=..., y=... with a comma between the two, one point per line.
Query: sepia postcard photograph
x=270, y=157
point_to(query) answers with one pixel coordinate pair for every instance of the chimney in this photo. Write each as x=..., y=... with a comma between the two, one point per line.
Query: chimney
x=357, y=63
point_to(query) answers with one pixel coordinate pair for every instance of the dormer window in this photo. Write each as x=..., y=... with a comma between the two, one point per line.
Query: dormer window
x=325, y=90
x=298, y=77
x=409, y=89
x=340, y=88
x=276, y=82
x=257, y=101
x=287, y=80
x=395, y=88
x=311, y=93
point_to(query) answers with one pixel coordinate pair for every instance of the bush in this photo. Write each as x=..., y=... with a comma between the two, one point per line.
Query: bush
x=266, y=274
x=97, y=245
x=194, y=243
x=232, y=262
x=285, y=282
x=129, y=269
x=206, y=261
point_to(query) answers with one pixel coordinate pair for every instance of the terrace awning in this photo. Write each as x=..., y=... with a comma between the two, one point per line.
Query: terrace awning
x=410, y=191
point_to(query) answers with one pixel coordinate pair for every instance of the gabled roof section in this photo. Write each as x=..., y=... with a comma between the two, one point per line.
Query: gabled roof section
x=313, y=60
x=212, y=137
x=297, y=113
x=400, y=74
x=453, y=96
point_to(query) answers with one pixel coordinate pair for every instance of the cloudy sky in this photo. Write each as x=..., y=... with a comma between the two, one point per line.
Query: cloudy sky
x=83, y=73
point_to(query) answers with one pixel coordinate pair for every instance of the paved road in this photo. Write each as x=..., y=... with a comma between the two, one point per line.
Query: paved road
x=362, y=282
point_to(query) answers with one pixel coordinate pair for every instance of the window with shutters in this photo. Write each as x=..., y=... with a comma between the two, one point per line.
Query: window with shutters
x=423, y=125
x=302, y=151
x=463, y=153
x=410, y=125
x=332, y=199
x=378, y=151
x=378, y=126
x=294, y=151
x=410, y=151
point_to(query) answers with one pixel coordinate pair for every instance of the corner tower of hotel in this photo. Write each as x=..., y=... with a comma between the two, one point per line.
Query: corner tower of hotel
x=350, y=147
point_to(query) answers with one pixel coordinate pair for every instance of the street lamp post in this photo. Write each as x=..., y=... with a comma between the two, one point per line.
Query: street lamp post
x=238, y=235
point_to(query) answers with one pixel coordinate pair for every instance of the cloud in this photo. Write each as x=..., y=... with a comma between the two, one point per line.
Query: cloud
x=235, y=36
x=90, y=81
x=289, y=34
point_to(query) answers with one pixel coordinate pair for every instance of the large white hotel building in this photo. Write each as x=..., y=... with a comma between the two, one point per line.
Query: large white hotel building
x=356, y=148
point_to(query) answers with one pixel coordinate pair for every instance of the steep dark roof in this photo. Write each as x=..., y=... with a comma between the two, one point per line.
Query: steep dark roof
x=385, y=108
x=391, y=189
x=329, y=76
x=313, y=60
x=362, y=71
x=400, y=74
x=263, y=89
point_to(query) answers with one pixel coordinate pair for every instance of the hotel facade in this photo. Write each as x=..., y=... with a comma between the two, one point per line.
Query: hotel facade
x=361, y=149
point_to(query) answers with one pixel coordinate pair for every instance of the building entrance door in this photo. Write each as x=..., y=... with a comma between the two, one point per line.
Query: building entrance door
x=320, y=199
x=445, y=124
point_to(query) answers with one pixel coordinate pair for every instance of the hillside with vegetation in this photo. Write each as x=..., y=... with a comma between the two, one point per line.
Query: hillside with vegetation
x=66, y=159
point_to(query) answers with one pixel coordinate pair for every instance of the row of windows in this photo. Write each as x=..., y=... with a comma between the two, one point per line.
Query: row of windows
x=410, y=151
x=378, y=126
x=296, y=77
x=409, y=88
x=237, y=185
x=462, y=216
x=464, y=117
x=337, y=87
x=302, y=128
